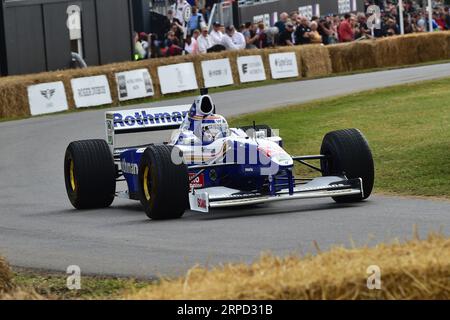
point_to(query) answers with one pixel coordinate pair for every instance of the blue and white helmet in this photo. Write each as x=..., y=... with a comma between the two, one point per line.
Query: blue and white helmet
x=214, y=127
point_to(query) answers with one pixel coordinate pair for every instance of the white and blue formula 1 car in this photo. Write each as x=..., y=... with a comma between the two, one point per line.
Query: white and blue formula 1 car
x=208, y=165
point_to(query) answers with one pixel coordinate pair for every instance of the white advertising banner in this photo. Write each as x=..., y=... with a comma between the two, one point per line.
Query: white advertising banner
x=91, y=91
x=306, y=11
x=283, y=65
x=177, y=78
x=47, y=98
x=251, y=68
x=217, y=73
x=134, y=84
x=344, y=6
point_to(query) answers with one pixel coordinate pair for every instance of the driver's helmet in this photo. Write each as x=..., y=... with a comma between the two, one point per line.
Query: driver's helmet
x=214, y=127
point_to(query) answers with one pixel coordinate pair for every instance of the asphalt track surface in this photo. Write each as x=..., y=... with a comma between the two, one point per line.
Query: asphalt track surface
x=39, y=228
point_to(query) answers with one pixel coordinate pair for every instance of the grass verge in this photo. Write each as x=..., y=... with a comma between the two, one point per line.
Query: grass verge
x=407, y=127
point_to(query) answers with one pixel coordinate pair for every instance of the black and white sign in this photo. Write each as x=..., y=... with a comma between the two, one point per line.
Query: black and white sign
x=344, y=6
x=251, y=68
x=47, y=98
x=283, y=65
x=306, y=11
x=134, y=84
x=91, y=91
x=217, y=73
x=177, y=78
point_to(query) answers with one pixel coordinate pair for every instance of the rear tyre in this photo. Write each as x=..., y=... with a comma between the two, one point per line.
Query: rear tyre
x=90, y=174
x=348, y=153
x=163, y=185
x=260, y=127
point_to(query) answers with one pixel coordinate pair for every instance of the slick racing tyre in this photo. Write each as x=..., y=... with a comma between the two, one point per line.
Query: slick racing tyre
x=90, y=174
x=163, y=185
x=348, y=153
x=260, y=127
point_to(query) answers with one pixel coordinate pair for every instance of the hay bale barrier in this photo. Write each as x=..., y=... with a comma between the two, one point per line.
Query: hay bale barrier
x=413, y=270
x=6, y=276
x=313, y=61
x=354, y=56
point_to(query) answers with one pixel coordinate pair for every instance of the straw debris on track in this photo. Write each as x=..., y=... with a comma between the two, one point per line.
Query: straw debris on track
x=413, y=270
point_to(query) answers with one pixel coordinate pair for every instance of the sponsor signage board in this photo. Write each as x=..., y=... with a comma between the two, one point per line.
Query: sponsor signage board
x=47, y=98
x=283, y=65
x=91, y=91
x=217, y=73
x=134, y=84
x=251, y=68
x=177, y=78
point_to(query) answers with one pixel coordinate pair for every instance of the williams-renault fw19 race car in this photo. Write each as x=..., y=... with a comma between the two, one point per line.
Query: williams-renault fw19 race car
x=208, y=165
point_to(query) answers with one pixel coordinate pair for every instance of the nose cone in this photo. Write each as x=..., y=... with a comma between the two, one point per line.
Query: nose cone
x=282, y=160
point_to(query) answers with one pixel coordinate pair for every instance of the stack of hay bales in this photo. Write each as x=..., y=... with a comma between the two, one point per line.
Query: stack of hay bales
x=354, y=56
x=411, y=49
x=315, y=61
x=5, y=277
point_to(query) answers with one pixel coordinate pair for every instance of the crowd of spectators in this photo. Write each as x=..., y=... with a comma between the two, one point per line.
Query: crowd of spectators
x=290, y=29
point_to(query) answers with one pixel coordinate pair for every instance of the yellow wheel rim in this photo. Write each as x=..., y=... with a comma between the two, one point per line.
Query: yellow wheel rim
x=72, y=176
x=146, y=183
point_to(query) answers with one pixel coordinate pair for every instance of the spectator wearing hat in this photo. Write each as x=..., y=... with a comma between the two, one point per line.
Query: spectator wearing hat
x=217, y=38
x=285, y=37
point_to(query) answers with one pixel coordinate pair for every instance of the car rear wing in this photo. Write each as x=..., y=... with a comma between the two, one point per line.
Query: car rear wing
x=142, y=120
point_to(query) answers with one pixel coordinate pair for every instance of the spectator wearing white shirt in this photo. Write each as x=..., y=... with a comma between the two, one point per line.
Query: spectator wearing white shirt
x=204, y=41
x=191, y=45
x=216, y=34
x=237, y=38
x=217, y=38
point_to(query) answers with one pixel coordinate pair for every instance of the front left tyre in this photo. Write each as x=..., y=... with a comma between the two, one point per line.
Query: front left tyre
x=163, y=184
x=90, y=174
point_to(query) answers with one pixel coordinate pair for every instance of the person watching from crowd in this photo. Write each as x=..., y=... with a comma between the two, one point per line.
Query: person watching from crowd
x=143, y=38
x=236, y=37
x=345, y=29
x=303, y=32
x=196, y=34
x=196, y=22
x=250, y=35
x=281, y=24
x=325, y=31
x=314, y=35
x=190, y=45
x=169, y=39
x=177, y=30
x=216, y=34
x=447, y=18
x=139, y=52
x=285, y=38
x=262, y=37
x=174, y=49
x=204, y=41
